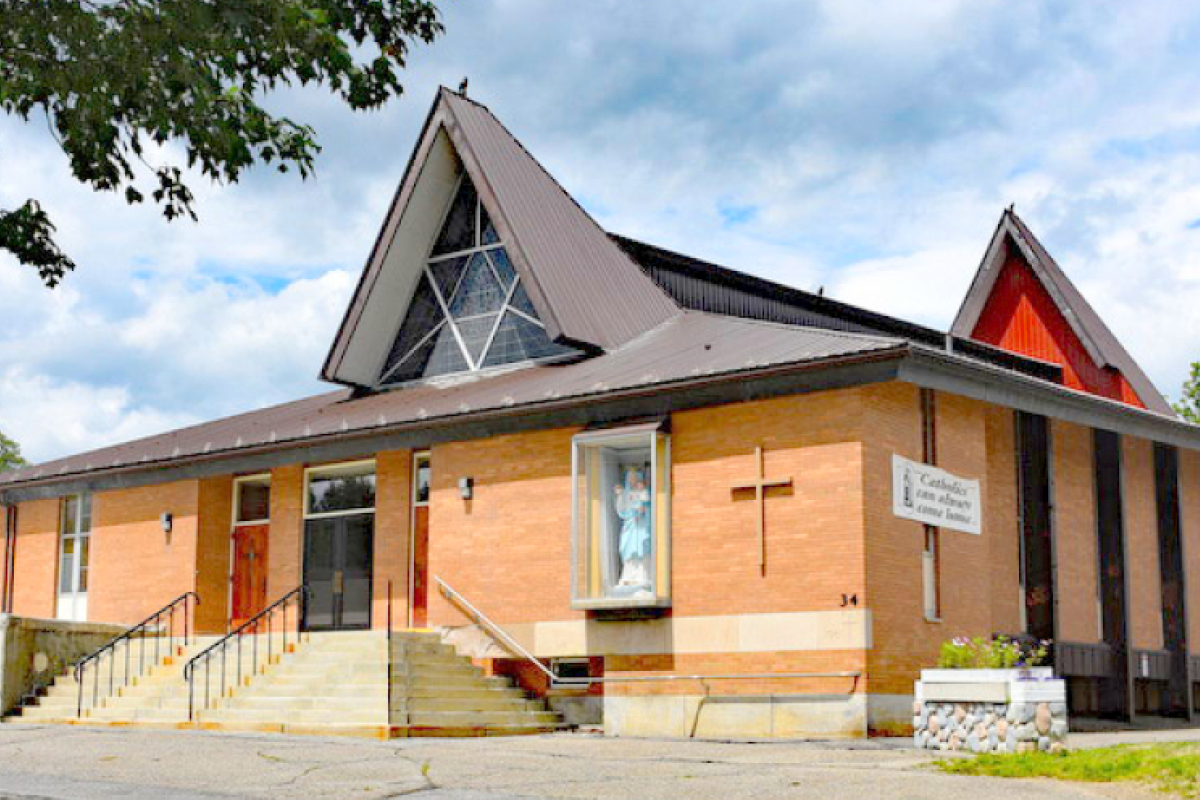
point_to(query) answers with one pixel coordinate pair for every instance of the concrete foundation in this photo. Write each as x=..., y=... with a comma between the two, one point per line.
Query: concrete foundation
x=808, y=716
x=889, y=714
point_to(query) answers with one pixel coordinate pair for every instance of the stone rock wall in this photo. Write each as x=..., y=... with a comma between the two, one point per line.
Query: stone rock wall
x=1017, y=727
x=34, y=651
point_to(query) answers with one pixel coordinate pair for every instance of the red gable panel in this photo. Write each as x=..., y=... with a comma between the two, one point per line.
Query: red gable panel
x=1021, y=316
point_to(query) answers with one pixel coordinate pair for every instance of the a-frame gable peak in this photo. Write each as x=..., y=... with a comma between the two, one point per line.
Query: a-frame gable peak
x=576, y=283
x=1093, y=335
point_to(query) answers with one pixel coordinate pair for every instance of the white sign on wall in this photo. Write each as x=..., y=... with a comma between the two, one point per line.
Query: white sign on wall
x=933, y=496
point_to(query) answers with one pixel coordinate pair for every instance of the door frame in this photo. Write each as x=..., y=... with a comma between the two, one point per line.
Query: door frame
x=413, y=505
x=334, y=469
x=233, y=526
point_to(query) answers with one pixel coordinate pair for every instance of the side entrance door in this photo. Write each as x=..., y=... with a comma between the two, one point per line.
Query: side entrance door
x=249, y=591
x=337, y=571
x=249, y=548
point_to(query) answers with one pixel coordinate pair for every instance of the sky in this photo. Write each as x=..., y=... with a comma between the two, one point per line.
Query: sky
x=864, y=147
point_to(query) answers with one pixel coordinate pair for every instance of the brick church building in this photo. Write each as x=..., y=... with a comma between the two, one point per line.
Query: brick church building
x=725, y=506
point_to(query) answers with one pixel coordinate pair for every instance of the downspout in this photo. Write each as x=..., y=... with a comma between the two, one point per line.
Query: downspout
x=10, y=559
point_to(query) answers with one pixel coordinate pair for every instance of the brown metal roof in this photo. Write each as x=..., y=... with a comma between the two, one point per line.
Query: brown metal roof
x=595, y=293
x=1097, y=338
x=691, y=345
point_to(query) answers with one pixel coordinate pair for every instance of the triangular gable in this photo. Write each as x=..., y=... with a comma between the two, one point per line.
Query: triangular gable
x=1022, y=301
x=577, y=284
x=470, y=310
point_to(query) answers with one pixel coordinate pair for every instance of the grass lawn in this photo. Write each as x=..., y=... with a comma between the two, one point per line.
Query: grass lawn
x=1172, y=768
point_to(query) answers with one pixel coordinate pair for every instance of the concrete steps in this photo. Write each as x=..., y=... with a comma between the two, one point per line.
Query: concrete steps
x=328, y=683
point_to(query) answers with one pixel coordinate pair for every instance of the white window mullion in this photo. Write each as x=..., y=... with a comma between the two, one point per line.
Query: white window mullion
x=508, y=296
x=462, y=345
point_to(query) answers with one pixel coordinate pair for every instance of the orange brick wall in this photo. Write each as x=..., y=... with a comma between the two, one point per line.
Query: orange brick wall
x=1075, y=533
x=287, y=530
x=135, y=567
x=507, y=549
x=1189, y=510
x=814, y=540
x=393, y=489
x=34, y=592
x=1000, y=520
x=1141, y=544
x=904, y=640
x=516, y=564
x=212, y=556
x=832, y=534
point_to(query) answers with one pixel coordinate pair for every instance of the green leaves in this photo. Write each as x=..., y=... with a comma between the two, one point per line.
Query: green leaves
x=29, y=234
x=112, y=78
x=1188, y=406
x=10, y=454
x=999, y=652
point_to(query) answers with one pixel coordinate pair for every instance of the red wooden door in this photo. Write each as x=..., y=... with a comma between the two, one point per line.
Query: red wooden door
x=249, y=572
x=420, y=613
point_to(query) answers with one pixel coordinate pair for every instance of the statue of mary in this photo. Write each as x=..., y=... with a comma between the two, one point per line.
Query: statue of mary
x=632, y=504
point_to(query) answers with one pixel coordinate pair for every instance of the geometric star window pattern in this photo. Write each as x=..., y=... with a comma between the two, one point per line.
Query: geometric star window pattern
x=470, y=311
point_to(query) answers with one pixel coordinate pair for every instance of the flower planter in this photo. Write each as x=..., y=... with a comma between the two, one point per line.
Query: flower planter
x=990, y=710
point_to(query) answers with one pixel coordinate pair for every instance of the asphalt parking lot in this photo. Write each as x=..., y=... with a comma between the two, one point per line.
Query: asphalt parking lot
x=80, y=762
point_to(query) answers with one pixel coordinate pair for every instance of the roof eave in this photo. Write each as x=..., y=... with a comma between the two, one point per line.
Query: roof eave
x=981, y=381
x=536, y=409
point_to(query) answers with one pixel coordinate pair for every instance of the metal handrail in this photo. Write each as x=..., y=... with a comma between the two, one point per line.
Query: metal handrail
x=478, y=617
x=154, y=621
x=266, y=617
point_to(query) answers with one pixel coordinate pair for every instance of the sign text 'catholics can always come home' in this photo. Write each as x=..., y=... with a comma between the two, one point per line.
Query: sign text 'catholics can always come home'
x=933, y=496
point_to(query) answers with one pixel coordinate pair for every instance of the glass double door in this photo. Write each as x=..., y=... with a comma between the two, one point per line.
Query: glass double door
x=337, y=570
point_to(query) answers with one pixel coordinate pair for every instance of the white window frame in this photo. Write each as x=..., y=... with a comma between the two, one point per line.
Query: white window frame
x=333, y=470
x=238, y=482
x=661, y=594
x=474, y=366
x=417, y=457
x=76, y=599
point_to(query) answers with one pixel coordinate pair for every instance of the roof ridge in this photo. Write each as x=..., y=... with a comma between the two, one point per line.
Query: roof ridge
x=770, y=323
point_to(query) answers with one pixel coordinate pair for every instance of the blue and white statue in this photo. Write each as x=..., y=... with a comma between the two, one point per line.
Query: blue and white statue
x=632, y=504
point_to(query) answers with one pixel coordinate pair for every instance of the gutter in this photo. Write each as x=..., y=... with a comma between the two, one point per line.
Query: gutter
x=938, y=370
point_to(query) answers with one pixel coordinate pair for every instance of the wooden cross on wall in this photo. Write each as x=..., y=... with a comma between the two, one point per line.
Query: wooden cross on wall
x=760, y=485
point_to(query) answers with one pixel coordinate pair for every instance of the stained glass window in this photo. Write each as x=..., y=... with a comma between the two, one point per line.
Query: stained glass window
x=469, y=310
x=479, y=292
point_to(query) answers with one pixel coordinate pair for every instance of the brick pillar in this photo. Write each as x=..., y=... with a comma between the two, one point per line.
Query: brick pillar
x=393, y=487
x=287, y=530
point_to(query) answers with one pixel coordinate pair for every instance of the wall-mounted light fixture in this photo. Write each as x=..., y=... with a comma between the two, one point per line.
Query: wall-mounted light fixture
x=466, y=487
x=167, y=521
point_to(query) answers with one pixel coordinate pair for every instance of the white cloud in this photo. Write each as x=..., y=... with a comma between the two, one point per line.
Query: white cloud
x=49, y=417
x=187, y=351
x=867, y=146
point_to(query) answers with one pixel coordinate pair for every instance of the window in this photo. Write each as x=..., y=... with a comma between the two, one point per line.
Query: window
x=621, y=518
x=73, y=556
x=342, y=489
x=931, y=567
x=253, y=500
x=470, y=311
x=421, y=479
